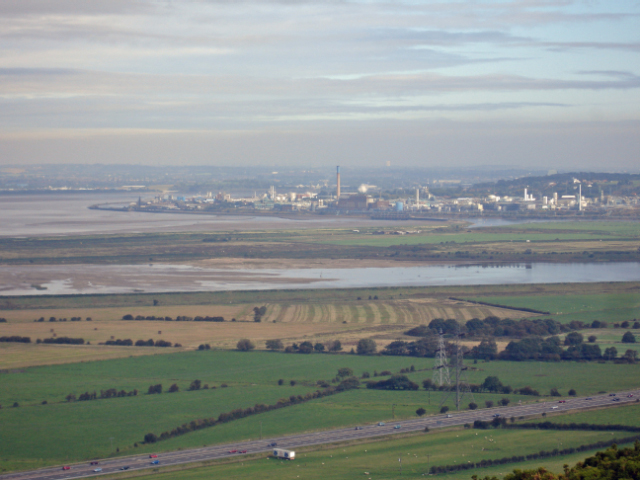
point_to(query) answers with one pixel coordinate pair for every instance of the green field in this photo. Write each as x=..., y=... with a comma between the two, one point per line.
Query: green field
x=610, y=307
x=419, y=452
x=37, y=435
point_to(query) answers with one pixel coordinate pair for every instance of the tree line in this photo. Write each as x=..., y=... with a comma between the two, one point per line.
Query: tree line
x=16, y=338
x=199, y=424
x=54, y=319
x=127, y=342
x=179, y=318
x=109, y=393
x=62, y=340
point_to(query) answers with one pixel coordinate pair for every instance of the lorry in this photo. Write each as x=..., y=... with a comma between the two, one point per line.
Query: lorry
x=286, y=454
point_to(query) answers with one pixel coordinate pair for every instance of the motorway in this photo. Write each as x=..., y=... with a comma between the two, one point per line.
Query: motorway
x=292, y=442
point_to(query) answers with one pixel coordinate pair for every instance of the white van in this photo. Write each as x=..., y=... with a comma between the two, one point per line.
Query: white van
x=286, y=454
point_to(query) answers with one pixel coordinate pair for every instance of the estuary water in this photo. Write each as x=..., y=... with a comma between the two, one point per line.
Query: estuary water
x=90, y=279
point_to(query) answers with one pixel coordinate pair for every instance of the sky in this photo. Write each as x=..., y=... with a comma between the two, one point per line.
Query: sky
x=529, y=83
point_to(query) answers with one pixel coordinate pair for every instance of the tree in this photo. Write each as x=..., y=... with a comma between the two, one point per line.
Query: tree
x=396, y=382
x=195, y=385
x=473, y=406
x=628, y=338
x=334, y=346
x=274, y=345
x=592, y=339
x=305, y=347
x=554, y=392
x=150, y=438
x=367, y=346
x=281, y=382
x=174, y=388
x=319, y=347
x=345, y=372
x=573, y=338
x=245, y=345
x=610, y=353
x=630, y=356
x=488, y=403
x=492, y=384
x=444, y=409
x=572, y=392
x=504, y=401
x=428, y=384
x=420, y=412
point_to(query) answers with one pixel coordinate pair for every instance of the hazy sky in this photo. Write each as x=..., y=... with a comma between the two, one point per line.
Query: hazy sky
x=552, y=84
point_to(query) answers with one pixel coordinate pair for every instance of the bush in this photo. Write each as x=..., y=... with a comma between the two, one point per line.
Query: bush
x=554, y=392
x=366, y=346
x=473, y=406
x=572, y=393
x=281, y=382
x=444, y=409
x=504, y=401
x=274, y=345
x=420, y=412
x=489, y=403
x=195, y=385
x=150, y=438
x=245, y=345
x=154, y=389
x=174, y=388
x=592, y=339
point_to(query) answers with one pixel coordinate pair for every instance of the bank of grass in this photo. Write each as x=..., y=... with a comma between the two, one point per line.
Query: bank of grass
x=565, y=307
x=380, y=459
x=22, y=355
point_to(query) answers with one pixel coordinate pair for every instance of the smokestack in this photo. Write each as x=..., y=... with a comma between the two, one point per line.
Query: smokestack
x=580, y=197
x=338, y=180
x=418, y=196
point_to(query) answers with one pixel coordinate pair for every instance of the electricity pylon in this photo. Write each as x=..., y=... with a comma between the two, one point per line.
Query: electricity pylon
x=441, y=368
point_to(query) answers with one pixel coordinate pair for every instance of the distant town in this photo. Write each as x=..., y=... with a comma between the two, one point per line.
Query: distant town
x=439, y=197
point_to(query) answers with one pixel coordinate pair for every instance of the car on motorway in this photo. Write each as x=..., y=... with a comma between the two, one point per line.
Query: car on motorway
x=562, y=401
x=155, y=462
x=233, y=451
x=153, y=455
x=97, y=469
x=66, y=467
x=616, y=399
x=273, y=444
x=613, y=394
x=93, y=463
x=358, y=428
x=589, y=398
x=242, y=451
x=127, y=467
x=396, y=427
x=555, y=407
x=381, y=424
x=496, y=414
x=630, y=395
x=448, y=415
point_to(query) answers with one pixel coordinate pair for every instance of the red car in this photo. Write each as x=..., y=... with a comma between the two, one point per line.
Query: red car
x=630, y=395
x=242, y=451
x=153, y=455
x=562, y=401
x=66, y=468
x=233, y=451
x=94, y=463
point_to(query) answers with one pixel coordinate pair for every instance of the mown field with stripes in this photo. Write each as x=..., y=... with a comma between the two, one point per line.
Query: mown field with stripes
x=383, y=312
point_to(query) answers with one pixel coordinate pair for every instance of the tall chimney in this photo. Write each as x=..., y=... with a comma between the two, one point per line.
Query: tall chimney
x=418, y=196
x=338, y=180
x=580, y=197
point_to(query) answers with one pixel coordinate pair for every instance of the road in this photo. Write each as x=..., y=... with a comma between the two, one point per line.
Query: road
x=292, y=442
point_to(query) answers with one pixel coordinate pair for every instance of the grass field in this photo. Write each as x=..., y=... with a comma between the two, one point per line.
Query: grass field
x=33, y=430
x=418, y=453
x=565, y=307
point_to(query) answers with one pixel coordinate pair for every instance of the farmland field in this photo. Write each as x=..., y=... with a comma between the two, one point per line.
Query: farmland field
x=565, y=307
x=251, y=378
